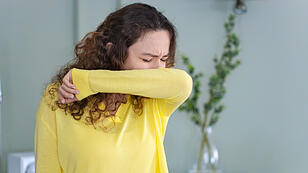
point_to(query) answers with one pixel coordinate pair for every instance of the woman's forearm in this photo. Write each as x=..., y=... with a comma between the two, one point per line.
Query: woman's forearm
x=165, y=83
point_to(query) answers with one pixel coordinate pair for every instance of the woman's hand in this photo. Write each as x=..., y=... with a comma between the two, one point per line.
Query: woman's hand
x=67, y=90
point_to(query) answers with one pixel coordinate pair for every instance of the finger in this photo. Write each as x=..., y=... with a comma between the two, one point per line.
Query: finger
x=69, y=90
x=65, y=94
x=70, y=100
x=61, y=99
x=66, y=101
x=70, y=77
x=68, y=83
x=75, y=98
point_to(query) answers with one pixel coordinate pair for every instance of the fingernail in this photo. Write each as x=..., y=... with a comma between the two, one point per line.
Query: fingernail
x=72, y=96
x=74, y=87
x=76, y=92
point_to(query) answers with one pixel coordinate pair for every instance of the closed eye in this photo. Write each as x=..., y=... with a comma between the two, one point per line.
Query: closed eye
x=145, y=60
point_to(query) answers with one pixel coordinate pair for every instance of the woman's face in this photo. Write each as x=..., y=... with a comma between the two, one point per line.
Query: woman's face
x=149, y=52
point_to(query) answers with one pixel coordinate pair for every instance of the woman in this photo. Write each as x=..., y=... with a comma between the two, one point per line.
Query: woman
x=107, y=112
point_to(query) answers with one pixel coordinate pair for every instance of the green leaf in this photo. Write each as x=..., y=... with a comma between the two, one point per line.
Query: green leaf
x=214, y=119
x=219, y=109
x=190, y=68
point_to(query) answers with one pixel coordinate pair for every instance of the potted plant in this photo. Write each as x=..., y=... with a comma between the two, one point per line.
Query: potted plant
x=208, y=155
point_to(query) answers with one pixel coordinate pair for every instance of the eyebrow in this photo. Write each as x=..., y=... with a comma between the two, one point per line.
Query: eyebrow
x=149, y=54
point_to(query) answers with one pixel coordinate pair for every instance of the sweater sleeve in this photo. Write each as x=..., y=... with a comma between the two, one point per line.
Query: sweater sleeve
x=45, y=142
x=170, y=86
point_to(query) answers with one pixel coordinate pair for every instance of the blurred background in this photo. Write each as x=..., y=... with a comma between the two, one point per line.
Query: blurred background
x=264, y=126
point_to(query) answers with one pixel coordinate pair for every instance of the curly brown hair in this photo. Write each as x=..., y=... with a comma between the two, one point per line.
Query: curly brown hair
x=122, y=28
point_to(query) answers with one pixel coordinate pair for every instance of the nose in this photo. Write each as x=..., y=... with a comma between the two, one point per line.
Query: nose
x=158, y=63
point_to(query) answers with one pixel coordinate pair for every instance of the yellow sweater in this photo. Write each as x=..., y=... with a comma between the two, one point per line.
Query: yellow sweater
x=63, y=144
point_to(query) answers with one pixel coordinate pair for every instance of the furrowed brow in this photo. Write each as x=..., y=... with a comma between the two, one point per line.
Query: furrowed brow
x=149, y=54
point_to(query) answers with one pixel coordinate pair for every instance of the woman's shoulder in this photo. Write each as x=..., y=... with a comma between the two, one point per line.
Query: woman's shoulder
x=50, y=95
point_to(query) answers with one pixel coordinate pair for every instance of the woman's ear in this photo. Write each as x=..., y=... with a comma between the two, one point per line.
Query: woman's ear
x=108, y=46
